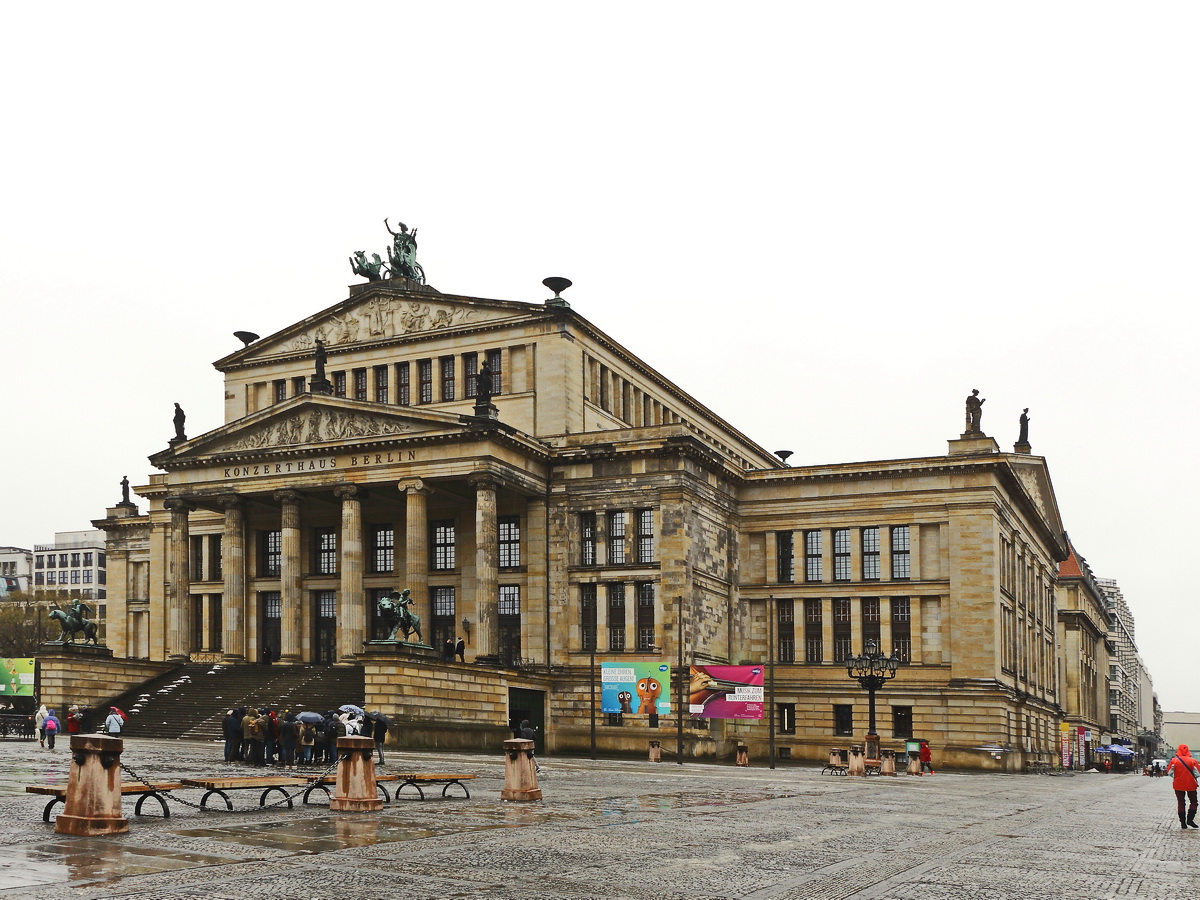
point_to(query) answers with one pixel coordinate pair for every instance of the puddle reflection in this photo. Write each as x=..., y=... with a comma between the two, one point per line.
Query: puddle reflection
x=320, y=835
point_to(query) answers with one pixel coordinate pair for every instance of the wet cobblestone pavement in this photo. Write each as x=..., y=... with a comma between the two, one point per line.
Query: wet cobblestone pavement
x=614, y=829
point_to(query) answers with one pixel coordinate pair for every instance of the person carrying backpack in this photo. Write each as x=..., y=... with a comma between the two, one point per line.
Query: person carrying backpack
x=114, y=723
x=1187, y=771
x=51, y=725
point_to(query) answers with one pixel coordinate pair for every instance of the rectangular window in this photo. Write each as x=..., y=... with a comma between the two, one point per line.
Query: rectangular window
x=841, y=554
x=587, y=539
x=298, y=386
x=471, y=373
x=87, y=576
x=445, y=616
x=87, y=560
x=870, y=554
x=842, y=650
x=443, y=545
x=446, y=365
x=900, y=558
x=493, y=361
x=383, y=549
x=843, y=719
x=75, y=559
x=509, y=608
x=51, y=578
x=645, y=615
x=360, y=384
x=587, y=616
x=403, y=384
x=616, y=538
x=425, y=380
x=41, y=563
x=62, y=560
x=616, y=616
x=280, y=389
x=339, y=384
x=381, y=384
x=902, y=628
x=812, y=556
x=786, y=717
x=870, y=622
x=270, y=553
x=74, y=576
x=814, y=639
x=902, y=722
x=785, y=615
x=645, y=535
x=197, y=555
x=214, y=557
x=325, y=547
x=785, y=557
x=509, y=528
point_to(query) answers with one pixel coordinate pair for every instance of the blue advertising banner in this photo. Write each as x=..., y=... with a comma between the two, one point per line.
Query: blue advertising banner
x=636, y=688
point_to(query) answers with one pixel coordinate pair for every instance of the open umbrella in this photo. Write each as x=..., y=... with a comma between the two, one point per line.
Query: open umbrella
x=351, y=708
x=376, y=716
x=309, y=717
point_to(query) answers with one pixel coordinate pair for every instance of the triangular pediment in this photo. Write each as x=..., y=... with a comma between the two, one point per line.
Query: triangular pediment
x=310, y=421
x=1034, y=478
x=378, y=313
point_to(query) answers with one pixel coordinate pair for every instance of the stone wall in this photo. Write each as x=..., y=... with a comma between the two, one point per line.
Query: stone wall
x=90, y=676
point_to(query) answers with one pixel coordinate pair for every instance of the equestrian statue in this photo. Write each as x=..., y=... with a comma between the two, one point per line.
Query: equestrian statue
x=397, y=616
x=74, y=620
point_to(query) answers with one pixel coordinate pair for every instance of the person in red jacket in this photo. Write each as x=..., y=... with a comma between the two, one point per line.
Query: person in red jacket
x=926, y=758
x=1185, y=770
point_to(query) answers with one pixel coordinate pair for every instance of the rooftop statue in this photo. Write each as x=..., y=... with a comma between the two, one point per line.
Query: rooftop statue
x=402, y=255
x=974, y=412
x=179, y=418
x=1023, y=436
x=370, y=269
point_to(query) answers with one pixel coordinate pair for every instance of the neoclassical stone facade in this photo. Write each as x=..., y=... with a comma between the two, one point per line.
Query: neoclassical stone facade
x=584, y=503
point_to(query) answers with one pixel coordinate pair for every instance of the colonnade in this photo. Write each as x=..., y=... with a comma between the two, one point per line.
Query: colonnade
x=352, y=611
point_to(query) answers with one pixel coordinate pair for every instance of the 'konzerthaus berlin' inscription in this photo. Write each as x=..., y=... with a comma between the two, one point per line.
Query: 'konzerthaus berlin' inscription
x=297, y=466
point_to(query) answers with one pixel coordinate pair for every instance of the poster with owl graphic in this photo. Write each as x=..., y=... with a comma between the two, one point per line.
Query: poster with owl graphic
x=635, y=688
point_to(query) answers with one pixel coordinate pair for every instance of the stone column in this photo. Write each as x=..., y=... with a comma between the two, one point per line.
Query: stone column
x=827, y=650
x=487, y=571
x=233, y=575
x=352, y=620
x=291, y=597
x=179, y=582
x=416, y=545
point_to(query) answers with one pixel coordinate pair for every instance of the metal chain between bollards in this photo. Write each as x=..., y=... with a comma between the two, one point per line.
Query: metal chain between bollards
x=311, y=783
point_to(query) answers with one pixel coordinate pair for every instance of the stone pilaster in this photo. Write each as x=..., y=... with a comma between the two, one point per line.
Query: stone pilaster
x=487, y=571
x=233, y=576
x=416, y=544
x=179, y=582
x=352, y=621
x=292, y=598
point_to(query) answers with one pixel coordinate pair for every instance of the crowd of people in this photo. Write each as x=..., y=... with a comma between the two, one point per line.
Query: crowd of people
x=263, y=737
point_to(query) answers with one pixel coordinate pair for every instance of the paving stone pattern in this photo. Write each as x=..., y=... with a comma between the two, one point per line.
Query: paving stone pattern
x=616, y=829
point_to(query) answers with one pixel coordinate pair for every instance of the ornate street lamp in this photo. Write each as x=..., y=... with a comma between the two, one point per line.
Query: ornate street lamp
x=872, y=670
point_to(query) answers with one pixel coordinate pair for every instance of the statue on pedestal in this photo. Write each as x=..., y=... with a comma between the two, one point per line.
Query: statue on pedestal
x=397, y=617
x=179, y=419
x=974, y=412
x=1023, y=437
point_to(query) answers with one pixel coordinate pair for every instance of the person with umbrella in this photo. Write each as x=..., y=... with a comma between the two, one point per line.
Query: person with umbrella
x=379, y=729
x=309, y=723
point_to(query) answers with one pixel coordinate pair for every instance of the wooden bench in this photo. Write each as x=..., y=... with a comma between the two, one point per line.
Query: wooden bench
x=268, y=784
x=332, y=779
x=416, y=779
x=58, y=794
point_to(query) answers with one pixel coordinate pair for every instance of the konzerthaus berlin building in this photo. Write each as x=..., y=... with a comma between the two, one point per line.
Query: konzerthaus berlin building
x=580, y=497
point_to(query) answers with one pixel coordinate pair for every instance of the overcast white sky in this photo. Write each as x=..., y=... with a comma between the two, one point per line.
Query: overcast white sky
x=827, y=221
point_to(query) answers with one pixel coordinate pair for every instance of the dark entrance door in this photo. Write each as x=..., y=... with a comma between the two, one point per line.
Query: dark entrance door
x=326, y=628
x=271, y=632
x=525, y=704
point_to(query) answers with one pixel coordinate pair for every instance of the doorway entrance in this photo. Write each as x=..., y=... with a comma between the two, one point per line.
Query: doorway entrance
x=525, y=704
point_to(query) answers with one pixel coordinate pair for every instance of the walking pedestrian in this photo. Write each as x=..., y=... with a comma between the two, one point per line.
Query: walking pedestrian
x=460, y=650
x=270, y=729
x=448, y=649
x=530, y=734
x=74, y=720
x=231, y=730
x=288, y=734
x=1187, y=771
x=379, y=733
x=114, y=723
x=39, y=722
x=51, y=725
x=926, y=758
x=308, y=740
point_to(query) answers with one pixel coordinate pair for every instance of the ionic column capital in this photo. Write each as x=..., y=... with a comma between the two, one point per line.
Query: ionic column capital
x=414, y=486
x=230, y=502
x=483, y=481
x=350, y=492
x=179, y=505
x=288, y=496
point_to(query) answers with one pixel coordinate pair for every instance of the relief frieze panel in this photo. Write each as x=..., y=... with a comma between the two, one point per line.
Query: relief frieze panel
x=382, y=317
x=314, y=426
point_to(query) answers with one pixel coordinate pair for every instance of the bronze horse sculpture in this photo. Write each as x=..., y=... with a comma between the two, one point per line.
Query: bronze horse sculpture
x=72, y=624
x=397, y=617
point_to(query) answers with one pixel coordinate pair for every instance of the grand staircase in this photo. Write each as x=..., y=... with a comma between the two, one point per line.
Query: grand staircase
x=191, y=701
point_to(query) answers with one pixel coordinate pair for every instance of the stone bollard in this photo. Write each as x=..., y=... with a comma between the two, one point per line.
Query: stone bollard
x=520, y=773
x=655, y=751
x=887, y=762
x=743, y=755
x=355, y=790
x=914, y=763
x=93, y=803
x=835, y=758
x=858, y=765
